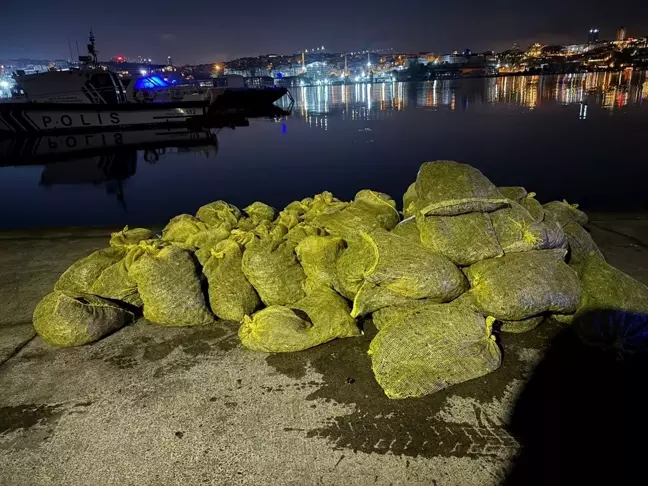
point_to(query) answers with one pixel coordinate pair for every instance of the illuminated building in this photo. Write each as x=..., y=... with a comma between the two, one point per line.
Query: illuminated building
x=169, y=61
x=317, y=69
x=572, y=49
x=535, y=50
x=453, y=58
x=621, y=34
x=593, y=36
x=286, y=71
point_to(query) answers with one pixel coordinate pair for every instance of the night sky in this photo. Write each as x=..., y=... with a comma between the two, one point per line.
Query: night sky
x=222, y=30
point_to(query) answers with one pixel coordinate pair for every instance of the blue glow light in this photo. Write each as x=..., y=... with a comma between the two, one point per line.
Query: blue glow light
x=150, y=82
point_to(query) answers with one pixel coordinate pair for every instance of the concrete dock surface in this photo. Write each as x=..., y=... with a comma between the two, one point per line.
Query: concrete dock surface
x=150, y=405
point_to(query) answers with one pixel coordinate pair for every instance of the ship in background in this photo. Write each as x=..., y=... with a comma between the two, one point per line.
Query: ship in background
x=93, y=98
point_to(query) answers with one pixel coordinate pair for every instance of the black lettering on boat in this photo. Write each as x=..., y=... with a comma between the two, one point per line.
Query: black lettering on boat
x=52, y=143
x=83, y=122
x=99, y=118
x=71, y=142
x=119, y=139
x=88, y=139
x=46, y=120
x=66, y=120
x=114, y=118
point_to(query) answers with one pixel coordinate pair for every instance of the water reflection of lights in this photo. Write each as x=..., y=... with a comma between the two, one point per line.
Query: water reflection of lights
x=368, y=101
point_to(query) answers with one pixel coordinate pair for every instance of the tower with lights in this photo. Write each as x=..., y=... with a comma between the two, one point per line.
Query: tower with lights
x=593, y=36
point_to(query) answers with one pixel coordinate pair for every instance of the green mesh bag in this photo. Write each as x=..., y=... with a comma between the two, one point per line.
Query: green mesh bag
x=181, y=228
x=231, y=296
x=127, y=238
x=203, y=254
x=446, y=188
x=318, y=256
x=292, y=214
x=301, y=231
x=320, y=204
x=580, y=243
x=269, y=230
x=463, y=239
x=82, y=274
x=410, y=199
x=531, y=204
x=273, y=270
x=316, y=319
x=210, y=237
x=68, y=319
x=398, y=313
x=369, y=210
x=372, y=297
x=400, y=269
x=351, y=266
x=565, y=212
x=408, y=229
x=514, y=193
x=219, y=212
x=435, y=347
x=115, y=283
x=381, y=205
x=555, y=235
x=517, y=230
x=605, y=287
x=522, y=285
x=524, y=325
x=169, y=285
x=613, y=314
x=246, y=224
x=258, y=211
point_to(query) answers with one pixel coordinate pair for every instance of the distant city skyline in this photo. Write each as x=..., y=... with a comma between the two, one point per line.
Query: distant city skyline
x=225, y=31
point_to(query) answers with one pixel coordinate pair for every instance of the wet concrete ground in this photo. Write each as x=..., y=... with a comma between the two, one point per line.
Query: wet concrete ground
x=152, y=405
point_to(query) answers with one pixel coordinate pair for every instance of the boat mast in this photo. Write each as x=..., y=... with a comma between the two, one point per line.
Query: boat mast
x=71, y=56
x=92, y=50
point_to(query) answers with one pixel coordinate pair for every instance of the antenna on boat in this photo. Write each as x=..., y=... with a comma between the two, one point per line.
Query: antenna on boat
x=92, y=50
x=91, y=59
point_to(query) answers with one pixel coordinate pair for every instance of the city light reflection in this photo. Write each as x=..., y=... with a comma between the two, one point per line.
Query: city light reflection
x=367, y=101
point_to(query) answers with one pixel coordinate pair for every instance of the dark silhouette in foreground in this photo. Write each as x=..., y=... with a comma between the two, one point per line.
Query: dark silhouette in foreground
x=582, y=419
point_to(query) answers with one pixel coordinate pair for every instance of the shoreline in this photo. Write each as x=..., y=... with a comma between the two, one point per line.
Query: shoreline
x=486, y=76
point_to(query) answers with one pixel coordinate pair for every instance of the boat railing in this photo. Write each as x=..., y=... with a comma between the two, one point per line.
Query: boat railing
x=94, y=95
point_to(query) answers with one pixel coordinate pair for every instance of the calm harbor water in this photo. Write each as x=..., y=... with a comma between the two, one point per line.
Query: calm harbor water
x=579, y=137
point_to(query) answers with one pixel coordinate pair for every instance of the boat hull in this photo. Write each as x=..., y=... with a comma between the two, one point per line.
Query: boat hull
x=58, y=117
x=247, y=98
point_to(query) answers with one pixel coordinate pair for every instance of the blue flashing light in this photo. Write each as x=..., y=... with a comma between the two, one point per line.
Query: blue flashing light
x=150, y=82
x=279, y=76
